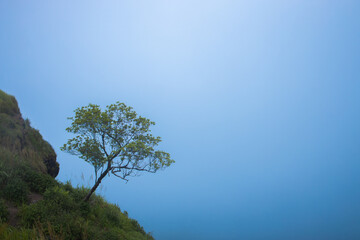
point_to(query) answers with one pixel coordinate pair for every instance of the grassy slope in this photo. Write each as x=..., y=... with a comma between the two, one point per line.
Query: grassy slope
x=59, y=212
x=18, y=140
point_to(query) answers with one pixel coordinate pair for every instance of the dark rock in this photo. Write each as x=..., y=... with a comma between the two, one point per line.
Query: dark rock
x=51, y=165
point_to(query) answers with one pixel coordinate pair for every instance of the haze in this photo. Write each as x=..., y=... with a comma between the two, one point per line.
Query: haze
x=257, y=101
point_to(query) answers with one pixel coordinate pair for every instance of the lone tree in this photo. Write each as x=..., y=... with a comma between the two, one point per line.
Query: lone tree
x=116, y=141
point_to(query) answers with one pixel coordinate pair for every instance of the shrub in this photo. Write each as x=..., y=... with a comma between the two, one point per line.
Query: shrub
x=16, y=190
x=84, y=208
x=112, y=234
x=3, y=172
x=137, y=226
x=113, y=215
x=78, y=194
x=7, y=232
x=58, y=199
x=38, y=182
x=57, y=208
x=31, y=214
x=4, y=213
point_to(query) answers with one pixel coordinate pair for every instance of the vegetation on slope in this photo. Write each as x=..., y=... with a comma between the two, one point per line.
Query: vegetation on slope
x=33, y=205
x=18, y=140
x=61, y=213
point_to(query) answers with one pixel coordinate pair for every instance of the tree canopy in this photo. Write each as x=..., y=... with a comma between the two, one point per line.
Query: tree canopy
x=116, y=140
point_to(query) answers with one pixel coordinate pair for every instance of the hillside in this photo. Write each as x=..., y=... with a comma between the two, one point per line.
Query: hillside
x=19, y=140
x=33, y=205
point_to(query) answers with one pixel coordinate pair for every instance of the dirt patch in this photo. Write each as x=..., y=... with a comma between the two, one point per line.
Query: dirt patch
x=35, y=197
x=14, y=219
x=13, y=215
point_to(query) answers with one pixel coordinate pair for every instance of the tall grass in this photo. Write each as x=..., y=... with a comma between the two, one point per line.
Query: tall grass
x=62, y=214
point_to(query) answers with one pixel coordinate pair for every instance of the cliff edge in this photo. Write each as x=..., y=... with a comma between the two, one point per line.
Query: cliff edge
x=20, y=142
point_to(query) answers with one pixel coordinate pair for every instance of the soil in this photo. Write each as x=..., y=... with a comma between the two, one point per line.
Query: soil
x=13, y=215
x=35, y=197
x=14, y=210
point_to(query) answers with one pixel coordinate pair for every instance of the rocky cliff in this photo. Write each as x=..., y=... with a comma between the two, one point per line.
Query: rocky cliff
x=20, y=142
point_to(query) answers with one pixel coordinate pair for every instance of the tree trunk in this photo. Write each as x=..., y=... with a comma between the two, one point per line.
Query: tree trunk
x=96, y=184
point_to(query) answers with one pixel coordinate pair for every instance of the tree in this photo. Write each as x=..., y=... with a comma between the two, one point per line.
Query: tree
x=115, y=141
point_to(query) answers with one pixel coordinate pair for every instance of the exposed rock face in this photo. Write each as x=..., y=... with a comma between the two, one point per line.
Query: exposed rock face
x=51, y=165
x=20, y=142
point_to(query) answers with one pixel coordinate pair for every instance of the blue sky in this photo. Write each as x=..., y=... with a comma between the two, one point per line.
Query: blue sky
x=257, y=101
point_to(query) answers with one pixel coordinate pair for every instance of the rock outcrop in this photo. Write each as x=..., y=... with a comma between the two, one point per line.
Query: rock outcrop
x=20, y=142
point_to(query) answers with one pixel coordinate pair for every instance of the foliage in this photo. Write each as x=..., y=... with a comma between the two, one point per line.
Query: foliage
x=4, y=213
x=115, y=140
x=37, y=181
x=16, y=191
x=61, y=214
x=18, y=181
x=69, y=218
x=7, y=232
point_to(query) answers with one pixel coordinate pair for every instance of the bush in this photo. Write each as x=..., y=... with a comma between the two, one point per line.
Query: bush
x=57, y=208
x=3, y=171
x=112, y=234
x=38, y=182
x=78, y=194
x=31, y=214
x=7, y=232
x=113, y=215
x=4, y=213
x=59, y=200
x=16, y=191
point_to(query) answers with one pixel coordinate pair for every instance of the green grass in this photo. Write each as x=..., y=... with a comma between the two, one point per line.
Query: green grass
x=62, y=214
x=8, y=104
x=20, y=142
